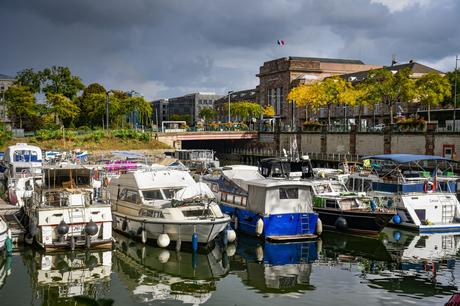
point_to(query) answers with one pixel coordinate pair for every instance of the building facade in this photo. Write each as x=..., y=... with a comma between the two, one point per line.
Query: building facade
x=188, y=107
x=277, y=77
x=5, y=82
x=221, y=105
x=160, y=111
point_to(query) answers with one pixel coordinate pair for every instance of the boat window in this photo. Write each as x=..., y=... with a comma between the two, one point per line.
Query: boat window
x=337, y=187
x=169, y=193
x=129, y=196
x=243, y=201
x=323, y=188
x=224, y=197
x=289, y=193
x=331, y=204
x=150, y=195
x=196, y=212
x=151, y=213
x=230, y=198
x=238, y=200
x=350, y=183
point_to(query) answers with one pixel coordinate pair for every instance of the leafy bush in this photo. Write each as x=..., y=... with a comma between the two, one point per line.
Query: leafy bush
x=48, y=134
x=5, y=136
x=131, y=134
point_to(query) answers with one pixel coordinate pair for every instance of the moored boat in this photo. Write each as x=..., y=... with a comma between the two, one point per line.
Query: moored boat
x=165, y=205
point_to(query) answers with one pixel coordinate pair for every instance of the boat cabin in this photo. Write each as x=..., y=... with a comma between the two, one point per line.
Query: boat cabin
x=23, y=160
x=285, y=168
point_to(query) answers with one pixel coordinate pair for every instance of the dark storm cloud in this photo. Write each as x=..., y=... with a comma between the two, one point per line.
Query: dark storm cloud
x=164, y=48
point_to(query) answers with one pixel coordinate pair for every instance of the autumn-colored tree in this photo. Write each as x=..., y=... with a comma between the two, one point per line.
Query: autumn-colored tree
x=269, y=111
x=245, y=110
x=432, y=89
x=384, y=86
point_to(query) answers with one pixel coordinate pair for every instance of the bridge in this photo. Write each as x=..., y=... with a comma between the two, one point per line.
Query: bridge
x=175, y=139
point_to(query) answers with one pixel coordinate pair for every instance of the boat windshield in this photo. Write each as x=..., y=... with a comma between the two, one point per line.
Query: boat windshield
x=170, y=193
x=330, y=187
x=150, y=195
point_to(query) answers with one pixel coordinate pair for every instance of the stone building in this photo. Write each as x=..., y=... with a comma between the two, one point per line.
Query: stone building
x=188, y=107
x=250, y=95
x=277, y=77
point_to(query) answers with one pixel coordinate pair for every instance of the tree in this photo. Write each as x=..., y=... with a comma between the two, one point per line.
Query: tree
x=384, y=86
x=92, y=105
x=207, y=114
x=61, y=106
x=29, y=78
x=269, y=111
x=59, y=80
x=432, y=89
x=176, y=117
x=139, y=105
x=20, y=102
x=245, y=110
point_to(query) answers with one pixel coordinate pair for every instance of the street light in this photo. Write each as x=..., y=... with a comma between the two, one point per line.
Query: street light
x=107, y=109
x=455, y=93
x=230, y=92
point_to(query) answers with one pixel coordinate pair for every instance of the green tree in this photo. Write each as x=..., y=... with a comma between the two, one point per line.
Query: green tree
x=20, y=103
x=59, y=80
x=432, y=89
x=28, y=77
x=61, y=106
x=92, y=105
x=207, y=114
x=245, y=110
x=386, y=87
x=176, y=117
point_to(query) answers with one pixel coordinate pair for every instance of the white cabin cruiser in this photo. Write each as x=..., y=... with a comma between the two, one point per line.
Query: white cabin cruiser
x=425, y=201
x=67, y=208
x=165, y=205
x=3, y=233
x=20, y=161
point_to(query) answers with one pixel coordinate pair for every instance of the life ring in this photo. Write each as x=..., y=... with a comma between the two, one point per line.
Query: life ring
x=429, y=186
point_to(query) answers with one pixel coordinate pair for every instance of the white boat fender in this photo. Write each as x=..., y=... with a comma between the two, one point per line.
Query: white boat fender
x=144, y=236
x=231, y=249
x=319, y=227
x=231, y=235
x=259, y=227
x=163, y=240
x=260, y=253
x=319, y=246
x=164, y=255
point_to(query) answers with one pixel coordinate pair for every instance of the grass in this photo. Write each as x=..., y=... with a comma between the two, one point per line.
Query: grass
x=84, y=142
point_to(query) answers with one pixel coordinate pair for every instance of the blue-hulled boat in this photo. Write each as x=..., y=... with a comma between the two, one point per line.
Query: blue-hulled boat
x=276, y=208
x=422, y=188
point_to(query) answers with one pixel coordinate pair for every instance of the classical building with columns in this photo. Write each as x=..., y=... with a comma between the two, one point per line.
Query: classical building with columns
x=278, y=76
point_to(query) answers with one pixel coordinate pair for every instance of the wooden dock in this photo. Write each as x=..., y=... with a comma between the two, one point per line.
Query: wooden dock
x=8, y=213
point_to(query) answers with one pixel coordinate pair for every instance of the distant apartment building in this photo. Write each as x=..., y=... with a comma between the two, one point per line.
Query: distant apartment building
x=5, y=82
x=221, y=105
x=160, y=111
x=277, y=77
x=189, y=106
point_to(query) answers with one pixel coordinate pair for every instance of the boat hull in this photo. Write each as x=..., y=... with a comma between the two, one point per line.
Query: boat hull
x=206, y=229
x=357, y=221
x=281, y=227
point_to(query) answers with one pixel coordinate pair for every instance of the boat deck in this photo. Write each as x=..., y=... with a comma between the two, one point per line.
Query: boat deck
x=9, y=213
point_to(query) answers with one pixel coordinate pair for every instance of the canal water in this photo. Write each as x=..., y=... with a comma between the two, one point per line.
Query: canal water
x=398, y=268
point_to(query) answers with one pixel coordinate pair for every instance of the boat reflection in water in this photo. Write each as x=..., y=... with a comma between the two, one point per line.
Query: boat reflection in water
x=64, y=278
x=275, y=268
x=400, y=262
x=155, y=274
x=5, y=268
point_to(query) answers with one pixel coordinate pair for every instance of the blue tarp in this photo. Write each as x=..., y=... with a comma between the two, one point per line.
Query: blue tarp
x=407, y=158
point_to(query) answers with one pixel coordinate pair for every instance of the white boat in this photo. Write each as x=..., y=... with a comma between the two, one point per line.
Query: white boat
x=425, y=201
x=21, y=161
x=67, y=208
x=3, y=233
x=165, y=205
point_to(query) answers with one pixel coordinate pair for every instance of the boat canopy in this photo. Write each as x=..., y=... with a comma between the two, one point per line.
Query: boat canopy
x=407, y=158
x=196, y=191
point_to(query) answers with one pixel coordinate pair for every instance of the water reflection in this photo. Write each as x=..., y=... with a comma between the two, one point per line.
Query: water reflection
x=69, y=278
x=154, y=274
x=275, y=268
x=399, y=262
x=5, y=268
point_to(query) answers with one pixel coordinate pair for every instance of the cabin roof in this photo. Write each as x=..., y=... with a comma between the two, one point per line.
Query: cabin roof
x=407, y=158
x=269, y=183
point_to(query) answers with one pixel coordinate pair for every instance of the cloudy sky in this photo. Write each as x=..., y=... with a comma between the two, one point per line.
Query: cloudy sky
x=172, y=47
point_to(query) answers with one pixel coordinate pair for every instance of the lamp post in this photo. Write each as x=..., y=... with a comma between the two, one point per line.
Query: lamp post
x=229, y=93
x=455, y=94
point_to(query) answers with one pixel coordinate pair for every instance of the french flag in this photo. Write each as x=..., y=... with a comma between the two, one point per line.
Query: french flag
x=280, y=42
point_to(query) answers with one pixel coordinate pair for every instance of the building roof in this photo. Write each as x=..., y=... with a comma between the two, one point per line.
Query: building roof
x=6, y=77
x=416, y=68
x=326, y=60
